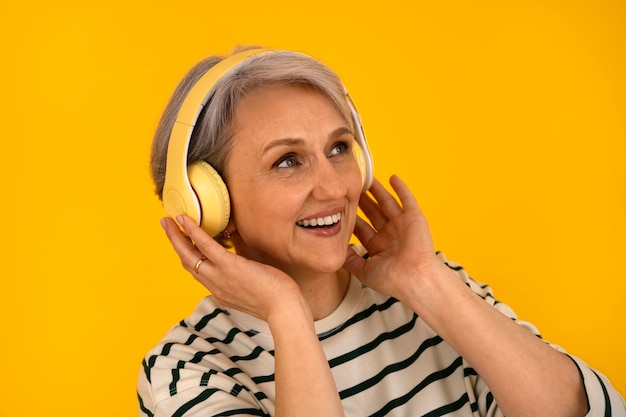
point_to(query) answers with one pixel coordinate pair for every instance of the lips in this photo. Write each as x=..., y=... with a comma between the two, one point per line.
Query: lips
x=324, y=221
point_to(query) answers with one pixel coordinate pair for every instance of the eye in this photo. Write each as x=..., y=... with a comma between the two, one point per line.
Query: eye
x=338, y=149
x=287, y=161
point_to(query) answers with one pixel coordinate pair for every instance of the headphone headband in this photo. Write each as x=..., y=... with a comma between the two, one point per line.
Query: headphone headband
x=178, y=194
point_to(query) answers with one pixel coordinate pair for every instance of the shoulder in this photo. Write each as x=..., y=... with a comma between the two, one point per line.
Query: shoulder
x=197, y=358
x=180, y=346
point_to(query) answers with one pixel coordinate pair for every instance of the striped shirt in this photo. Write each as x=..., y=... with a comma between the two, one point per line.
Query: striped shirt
x=385, y=360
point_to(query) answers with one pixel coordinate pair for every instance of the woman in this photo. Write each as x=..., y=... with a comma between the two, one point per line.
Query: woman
x=298, y=322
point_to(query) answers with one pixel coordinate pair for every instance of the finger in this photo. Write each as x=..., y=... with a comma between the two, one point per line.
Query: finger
x=363, y=231
x=191, y=246
x=206, y=245
x=372, y=211
x=354, y=263
x=404, y=193
x=387, y=202
x=183, y=246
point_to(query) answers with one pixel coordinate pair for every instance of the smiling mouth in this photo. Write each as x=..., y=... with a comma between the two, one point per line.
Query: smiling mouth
x=325, y=221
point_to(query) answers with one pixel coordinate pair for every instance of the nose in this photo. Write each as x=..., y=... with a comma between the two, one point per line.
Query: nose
x=328, y=182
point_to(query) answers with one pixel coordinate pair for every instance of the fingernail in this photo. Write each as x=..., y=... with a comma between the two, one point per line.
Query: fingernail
x=163, y=224
x=180, y=219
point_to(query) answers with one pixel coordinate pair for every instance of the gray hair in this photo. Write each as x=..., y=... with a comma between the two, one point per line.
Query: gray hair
x=211, y=139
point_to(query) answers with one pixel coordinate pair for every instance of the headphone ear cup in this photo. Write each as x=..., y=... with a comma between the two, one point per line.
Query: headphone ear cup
x=357, y=150
x=212, y=195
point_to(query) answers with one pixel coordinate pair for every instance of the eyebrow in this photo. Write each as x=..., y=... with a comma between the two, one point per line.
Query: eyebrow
x=337, y=133
x=282, y=142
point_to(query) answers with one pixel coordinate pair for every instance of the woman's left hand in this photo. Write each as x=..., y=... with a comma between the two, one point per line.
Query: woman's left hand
x=403, y=265
x=397, y=240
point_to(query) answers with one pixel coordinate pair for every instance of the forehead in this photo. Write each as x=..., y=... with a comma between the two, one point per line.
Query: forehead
x=286, y=110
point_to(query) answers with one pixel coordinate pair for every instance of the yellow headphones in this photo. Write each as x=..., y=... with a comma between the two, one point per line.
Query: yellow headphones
x=197, y=190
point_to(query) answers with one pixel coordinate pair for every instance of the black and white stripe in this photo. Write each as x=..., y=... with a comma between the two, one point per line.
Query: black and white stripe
x=386, y=362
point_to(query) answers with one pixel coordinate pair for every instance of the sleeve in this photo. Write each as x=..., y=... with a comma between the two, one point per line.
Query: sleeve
x=603, y=399
x=195, y=393
x=189, y=374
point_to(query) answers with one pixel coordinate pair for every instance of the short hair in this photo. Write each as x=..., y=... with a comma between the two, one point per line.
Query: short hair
x=211, y=138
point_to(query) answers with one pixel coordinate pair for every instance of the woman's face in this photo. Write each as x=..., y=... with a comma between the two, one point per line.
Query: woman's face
x=293, y=180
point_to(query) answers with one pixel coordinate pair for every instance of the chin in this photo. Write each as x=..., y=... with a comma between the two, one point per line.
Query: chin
x=329, y=264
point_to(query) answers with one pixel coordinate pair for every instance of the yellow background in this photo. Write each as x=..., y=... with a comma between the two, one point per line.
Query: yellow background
x=508, y=119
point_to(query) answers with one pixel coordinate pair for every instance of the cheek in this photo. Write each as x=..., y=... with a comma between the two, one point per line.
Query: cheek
x=356, y=182
x=256, y=208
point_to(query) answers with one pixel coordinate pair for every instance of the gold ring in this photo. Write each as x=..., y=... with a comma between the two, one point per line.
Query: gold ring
x=195, y=268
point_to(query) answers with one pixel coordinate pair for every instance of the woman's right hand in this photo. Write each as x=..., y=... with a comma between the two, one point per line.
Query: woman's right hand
x=271, y=295
x=234, y=281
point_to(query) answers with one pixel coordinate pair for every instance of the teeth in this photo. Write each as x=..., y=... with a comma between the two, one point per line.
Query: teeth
x=320, y=221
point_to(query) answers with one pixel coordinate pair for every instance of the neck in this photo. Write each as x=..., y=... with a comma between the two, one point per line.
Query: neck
x=324, y=292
